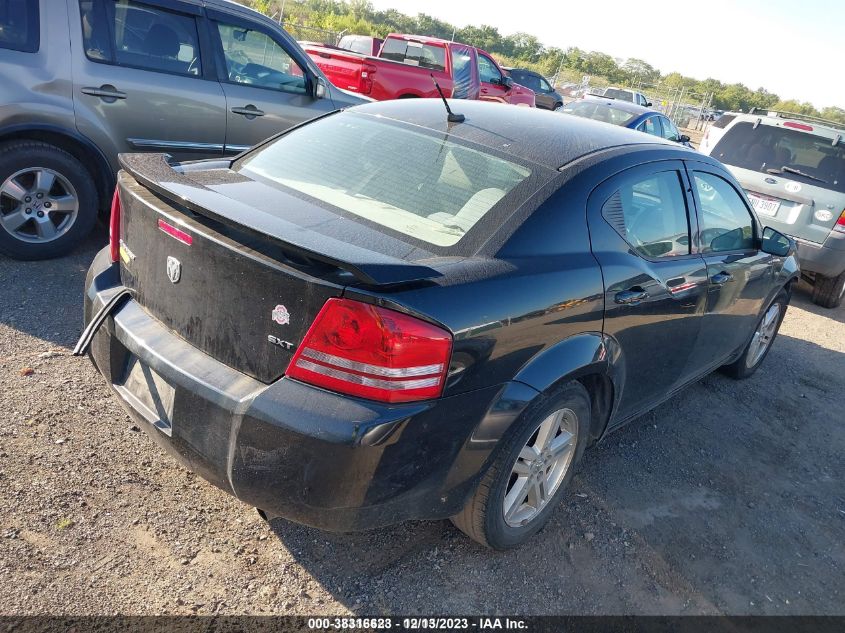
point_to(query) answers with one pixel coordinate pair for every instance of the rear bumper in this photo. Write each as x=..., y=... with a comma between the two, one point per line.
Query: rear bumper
x=296, y=451
x=826, y=259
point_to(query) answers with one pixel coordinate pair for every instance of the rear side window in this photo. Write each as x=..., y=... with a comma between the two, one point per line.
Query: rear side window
x=651, y=214
x=725, y=222
x=723, y=120
x=788, y=153
x=415, y=53
x=134, y=34
x=19, y=26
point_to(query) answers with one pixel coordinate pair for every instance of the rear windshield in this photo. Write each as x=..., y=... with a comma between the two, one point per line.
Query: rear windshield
x=419, y=185
x=599, y=112
x=792, y=154
x=722, y=121
x=624, y=95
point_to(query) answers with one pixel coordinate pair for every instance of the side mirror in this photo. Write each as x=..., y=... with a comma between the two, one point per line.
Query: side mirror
x=683, y=138
x=775, y=243
x=320, y=91
x=648, y=104
x=506, y=83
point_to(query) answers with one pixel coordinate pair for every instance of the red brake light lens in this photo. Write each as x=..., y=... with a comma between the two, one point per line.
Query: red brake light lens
x=371, y=352
x=172, y=231
x=840, y=223
x=114, y=227
x=798, y=126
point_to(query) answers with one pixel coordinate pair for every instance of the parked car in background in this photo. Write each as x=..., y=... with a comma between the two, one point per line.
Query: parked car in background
x=405, y=65
x=544, y=95
x=193, y=79
x=624, y=94
x=363, y=44
x=428, y=322
x=627, y=115
x=793, y=169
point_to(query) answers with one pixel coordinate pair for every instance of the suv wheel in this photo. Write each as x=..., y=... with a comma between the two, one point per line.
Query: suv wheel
x=48, y=201
x=530, y=470
x=828, y=292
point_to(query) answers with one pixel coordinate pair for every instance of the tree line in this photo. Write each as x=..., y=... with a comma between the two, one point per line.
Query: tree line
x=526, y=50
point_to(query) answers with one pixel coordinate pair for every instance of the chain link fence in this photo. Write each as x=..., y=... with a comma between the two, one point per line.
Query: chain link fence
x=303, y=33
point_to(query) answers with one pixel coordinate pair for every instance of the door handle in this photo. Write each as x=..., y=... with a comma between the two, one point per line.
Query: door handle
x=720, y=279
x=249, y=111
x=106, y=92
x=631, y=297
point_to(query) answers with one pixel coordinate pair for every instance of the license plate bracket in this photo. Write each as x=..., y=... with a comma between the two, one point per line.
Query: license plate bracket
x=149, y=394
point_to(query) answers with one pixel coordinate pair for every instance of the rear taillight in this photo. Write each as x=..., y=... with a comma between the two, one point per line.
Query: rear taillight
x=798, y=126
x=363, y=350
x=114, y=227
x=367, y=72
x=839, y=227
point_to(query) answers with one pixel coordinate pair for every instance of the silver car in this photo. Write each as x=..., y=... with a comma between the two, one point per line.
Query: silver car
x=84, y=80
x=793, y=170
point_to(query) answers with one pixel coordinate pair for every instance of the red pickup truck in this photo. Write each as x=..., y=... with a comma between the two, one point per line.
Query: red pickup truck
x=405, y=63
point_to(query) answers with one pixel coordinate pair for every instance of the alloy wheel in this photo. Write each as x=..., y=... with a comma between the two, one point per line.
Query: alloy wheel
x=763, y=336
x=541, y=467
x=37, y=205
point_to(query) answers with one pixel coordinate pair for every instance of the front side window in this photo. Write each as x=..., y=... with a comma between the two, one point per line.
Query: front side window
x=419, y=185
x=544, y=85
x=488, y=72
x=19, y=25
x=651, y=214
x=725, y=222
x=255, y=59
x=143, y=36
x=670, y=132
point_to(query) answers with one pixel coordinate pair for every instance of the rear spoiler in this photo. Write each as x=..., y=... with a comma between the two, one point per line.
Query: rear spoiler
x=155, y=172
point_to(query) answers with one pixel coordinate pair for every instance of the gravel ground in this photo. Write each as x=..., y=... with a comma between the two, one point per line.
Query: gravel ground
x=727, y=499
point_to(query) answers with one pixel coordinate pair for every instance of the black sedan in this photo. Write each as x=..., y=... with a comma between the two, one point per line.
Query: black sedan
x=381, y=315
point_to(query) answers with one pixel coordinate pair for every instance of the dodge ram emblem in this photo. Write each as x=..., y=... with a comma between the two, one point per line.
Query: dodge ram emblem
x=281, y=315
x=174, y=269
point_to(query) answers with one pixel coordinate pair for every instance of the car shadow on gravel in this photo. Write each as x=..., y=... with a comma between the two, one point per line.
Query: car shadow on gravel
x=43, y=299
x=723, y=500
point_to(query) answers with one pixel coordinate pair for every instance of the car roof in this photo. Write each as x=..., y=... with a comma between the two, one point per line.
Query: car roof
x=539, y=136
x=619, y=104
x=832, y=130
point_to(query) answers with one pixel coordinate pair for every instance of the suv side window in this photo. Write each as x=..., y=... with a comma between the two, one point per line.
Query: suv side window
x=725, y=222
x=487, y=70
x=20, y=29
x=256, y=59
x=651, y=214
x=544, y=85
x=129, y=33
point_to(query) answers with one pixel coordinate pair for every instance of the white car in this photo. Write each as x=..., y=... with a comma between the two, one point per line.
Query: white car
x=624, y=94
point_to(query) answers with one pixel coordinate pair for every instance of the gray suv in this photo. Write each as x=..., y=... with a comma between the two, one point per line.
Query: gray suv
x=793, y=169
x=84, y=80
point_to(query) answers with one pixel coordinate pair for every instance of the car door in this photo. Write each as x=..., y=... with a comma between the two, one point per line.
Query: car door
x=641, y=223
x=267, y=89
x=143, y=78
x=739, y=274
x=492, y=84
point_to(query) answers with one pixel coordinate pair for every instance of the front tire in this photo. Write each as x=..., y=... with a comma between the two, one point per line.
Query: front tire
x=761, y=341
x=529, y=471
x=828, y=292
x=48, y=200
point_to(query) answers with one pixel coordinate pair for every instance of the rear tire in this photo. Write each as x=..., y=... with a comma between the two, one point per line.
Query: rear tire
x=48, y=200
x=764, y=335
x=828, y=292
x=483, y=519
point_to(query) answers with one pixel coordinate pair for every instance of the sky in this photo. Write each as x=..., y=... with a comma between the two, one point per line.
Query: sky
x=794, y=48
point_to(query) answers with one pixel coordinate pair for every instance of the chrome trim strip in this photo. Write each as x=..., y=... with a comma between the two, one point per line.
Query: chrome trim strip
x=391, y=385
x=187, y=146
x=238, y=148
x=375, y=370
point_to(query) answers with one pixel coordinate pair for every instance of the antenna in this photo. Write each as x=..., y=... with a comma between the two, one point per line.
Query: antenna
x=452, y=117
